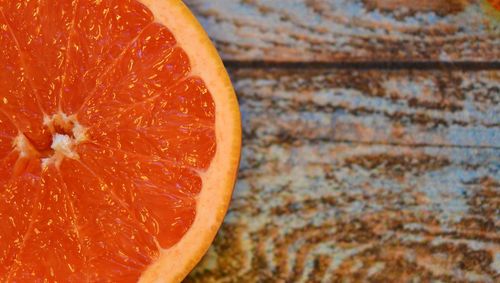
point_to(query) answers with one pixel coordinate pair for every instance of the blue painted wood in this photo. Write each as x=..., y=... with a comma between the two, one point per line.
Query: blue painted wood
x=352, y=175
x=384, y=176
x=453, y=108
x=356, y=30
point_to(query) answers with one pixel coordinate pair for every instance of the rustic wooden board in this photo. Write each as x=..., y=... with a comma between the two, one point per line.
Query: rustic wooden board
x=310, y=206
x=331, y=212
x=446, y=108
x=354, y=30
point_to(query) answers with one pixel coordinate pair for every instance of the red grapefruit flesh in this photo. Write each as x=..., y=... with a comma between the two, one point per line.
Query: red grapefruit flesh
x=119, y=141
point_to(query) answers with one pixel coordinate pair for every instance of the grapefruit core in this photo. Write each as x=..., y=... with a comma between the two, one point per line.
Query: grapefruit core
x=120, y=138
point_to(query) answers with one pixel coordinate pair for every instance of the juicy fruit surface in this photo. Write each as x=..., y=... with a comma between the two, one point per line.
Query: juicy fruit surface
x=495, y=4
x=128, y=190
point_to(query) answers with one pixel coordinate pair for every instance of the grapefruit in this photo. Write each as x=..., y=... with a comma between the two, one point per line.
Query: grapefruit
x=495, y=4
x=119, y=141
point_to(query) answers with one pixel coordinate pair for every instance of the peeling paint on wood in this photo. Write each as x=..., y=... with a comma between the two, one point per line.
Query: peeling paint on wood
x=441, y=7
x=446, y=108
x=352, y=175
x=338, y=212
x=309, y=207
x=354, y=30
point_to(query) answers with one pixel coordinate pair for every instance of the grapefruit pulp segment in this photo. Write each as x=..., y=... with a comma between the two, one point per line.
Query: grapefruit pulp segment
x=40, y=31
x=119, y=141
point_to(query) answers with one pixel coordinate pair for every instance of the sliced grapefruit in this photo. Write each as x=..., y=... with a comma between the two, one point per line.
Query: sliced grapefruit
x=495, y=4
x=119, y=141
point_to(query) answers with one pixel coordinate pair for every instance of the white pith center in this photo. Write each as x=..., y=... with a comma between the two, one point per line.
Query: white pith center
x=66, y=132
x=63, y=145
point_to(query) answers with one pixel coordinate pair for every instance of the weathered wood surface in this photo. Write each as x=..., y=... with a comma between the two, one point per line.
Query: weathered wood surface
x=354, y=30
x=333, y=212
x=447, y=108
x=353, y=175
x=333, y=187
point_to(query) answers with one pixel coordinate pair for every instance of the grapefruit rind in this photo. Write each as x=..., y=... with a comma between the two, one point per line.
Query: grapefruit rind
x=63, y=138
x=218, y=181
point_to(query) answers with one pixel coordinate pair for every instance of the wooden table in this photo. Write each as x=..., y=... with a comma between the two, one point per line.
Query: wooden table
x=371, y=141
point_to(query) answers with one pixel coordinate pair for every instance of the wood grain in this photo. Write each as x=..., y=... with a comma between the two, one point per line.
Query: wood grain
x=442, y=108
x=357, y=30
x=329, y=191
x=333, y=212
x=360, y=175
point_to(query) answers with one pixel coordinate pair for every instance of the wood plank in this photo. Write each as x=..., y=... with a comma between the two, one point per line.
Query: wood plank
x=358, y=30
x=309, y=207
x=445, y=108
x=340, y=212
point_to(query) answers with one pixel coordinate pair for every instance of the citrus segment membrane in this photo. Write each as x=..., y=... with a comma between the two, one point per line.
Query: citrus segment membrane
x=101, y=31
x=40, y=32
x=104, y=133
x=18, y=102
x=18, y=205
x=7, y=134
x=116, y=246
x=49, y=247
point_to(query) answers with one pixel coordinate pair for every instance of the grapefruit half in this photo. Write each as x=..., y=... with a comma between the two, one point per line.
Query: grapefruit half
x=120, y=140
